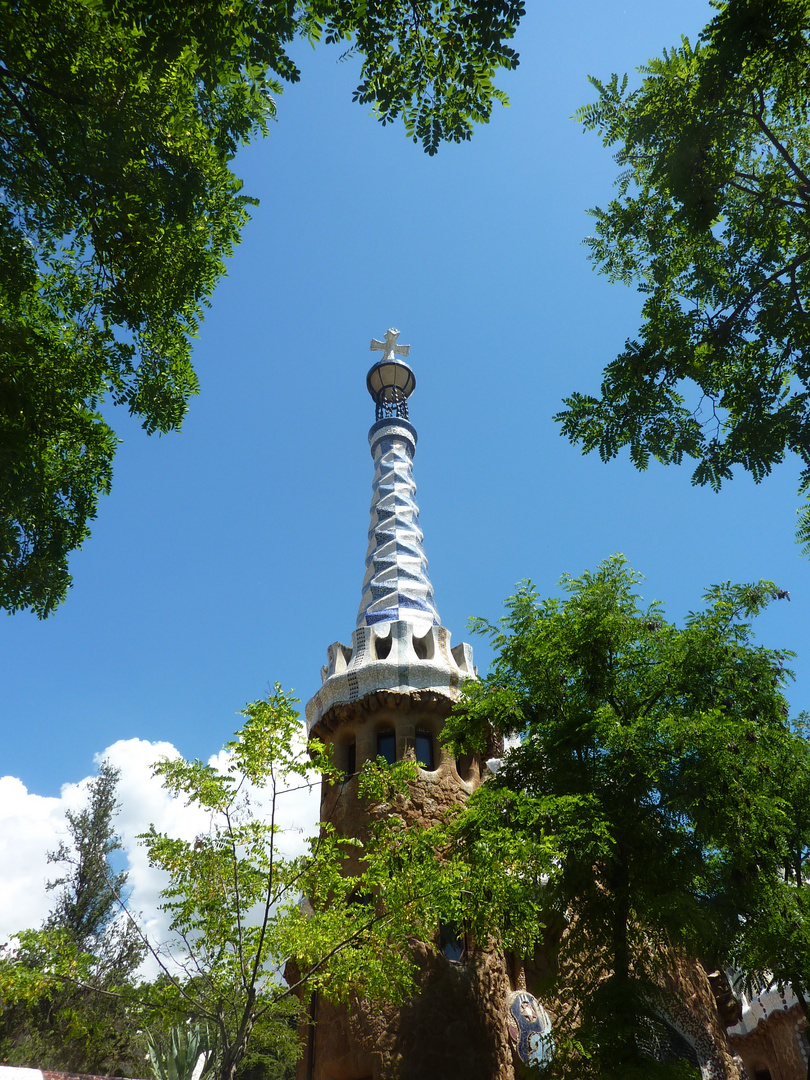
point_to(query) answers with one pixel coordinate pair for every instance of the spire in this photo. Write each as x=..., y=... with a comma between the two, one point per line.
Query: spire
x=399, y=644
x=396, y=584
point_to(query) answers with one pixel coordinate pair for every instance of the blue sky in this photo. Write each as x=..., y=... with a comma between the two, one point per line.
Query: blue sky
x=229, y=556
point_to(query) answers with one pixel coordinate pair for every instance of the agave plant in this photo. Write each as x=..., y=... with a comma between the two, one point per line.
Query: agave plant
x=185, y=1053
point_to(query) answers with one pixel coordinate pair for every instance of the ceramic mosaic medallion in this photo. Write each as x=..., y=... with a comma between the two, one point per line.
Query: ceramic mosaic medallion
x=529, y=1027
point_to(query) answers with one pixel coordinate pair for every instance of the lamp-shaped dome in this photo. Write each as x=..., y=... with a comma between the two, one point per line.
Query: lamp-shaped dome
x=391, y=381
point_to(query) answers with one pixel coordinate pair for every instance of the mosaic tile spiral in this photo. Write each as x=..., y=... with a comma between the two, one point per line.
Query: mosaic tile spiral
x=396, y=584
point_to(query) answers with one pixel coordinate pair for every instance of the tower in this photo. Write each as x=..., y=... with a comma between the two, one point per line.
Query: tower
x=388, y=694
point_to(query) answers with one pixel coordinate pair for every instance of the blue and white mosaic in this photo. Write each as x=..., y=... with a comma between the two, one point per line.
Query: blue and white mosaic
x=529, y=1028
x=399, y=644
x=396, y=585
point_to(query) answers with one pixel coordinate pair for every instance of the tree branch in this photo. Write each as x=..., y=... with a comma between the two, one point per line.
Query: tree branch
x=750, y=296
x=776, y=200
x=5, y=70
x=269, y=891
x=237, y=898
x=772, y=139
x=795, y=290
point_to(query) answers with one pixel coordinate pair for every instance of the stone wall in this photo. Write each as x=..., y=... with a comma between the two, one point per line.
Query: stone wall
x=698, y=1019
x=686, y=1001
x=452, y=1029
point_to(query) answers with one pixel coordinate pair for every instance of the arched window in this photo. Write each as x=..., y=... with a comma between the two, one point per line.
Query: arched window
x=762, y=1074
x=351, y=758
x=424, y=749
x=387, y=745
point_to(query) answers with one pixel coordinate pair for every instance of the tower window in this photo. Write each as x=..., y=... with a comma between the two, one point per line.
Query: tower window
x=451, y=942
x=424, y=749
x=387, y=746
x=351, y=758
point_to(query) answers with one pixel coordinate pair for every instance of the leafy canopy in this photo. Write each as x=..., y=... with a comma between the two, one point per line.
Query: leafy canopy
x=118, y=208
x=710, y=223
x=653, y=762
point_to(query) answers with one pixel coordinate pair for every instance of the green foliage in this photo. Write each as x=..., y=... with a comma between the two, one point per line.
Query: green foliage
x=118, y=121
x=60, y=1010
x=433, y=64
x=67, y=992
x=118, y=210
x=710, y=222
x=658, y=766
x=497, y=856
x=780, y=941
x=235, y=899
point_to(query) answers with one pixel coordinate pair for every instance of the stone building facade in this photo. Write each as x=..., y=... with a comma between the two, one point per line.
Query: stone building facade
x=770, y=1036
x=388, y=693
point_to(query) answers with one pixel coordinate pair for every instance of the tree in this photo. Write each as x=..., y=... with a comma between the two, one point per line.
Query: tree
x=67, y=989
x=338, y=921
x=711, y=224
x=90, y=889
x=118, y=207
x=652, y=760
x=781, y=942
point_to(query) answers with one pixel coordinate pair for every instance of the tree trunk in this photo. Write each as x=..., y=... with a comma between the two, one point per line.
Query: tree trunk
x=233, y=1051
x=622, y=1045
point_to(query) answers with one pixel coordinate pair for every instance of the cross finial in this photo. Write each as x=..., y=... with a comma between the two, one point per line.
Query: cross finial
x=389, y=347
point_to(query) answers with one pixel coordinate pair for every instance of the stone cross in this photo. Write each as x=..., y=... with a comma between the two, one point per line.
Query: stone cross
x=389, y=347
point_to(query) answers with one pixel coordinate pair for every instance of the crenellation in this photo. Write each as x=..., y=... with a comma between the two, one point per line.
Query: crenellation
x=368, y=668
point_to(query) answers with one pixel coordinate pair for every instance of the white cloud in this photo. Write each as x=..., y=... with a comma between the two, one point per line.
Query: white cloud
x=31, y=825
